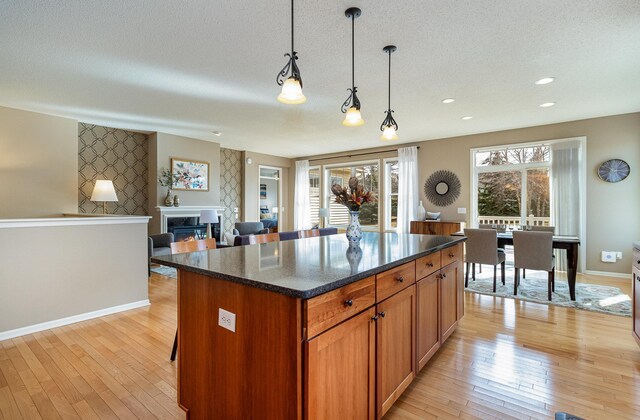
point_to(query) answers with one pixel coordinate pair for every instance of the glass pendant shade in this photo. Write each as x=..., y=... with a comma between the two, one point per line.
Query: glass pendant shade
x=292, y=92
x=353, y=118
x=389, y=133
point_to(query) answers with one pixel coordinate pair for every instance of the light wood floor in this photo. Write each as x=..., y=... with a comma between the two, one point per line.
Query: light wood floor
x=507, y=359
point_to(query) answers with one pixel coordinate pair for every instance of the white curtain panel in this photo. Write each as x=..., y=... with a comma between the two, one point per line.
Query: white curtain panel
x=565, y=185
x=407, y=187
x=301, y=203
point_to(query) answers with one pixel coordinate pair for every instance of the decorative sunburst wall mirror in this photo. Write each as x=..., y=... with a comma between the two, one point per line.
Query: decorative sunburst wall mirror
x=442, y=188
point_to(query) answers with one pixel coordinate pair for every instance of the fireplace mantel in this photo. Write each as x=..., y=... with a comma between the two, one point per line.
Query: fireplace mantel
x=185, y=211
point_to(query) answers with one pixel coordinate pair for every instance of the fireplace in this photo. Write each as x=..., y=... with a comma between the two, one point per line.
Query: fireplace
x=184, y=222
x=190, y=228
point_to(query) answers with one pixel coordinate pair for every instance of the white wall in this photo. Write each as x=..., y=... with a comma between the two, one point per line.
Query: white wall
x=69, y=270
x=38, y=164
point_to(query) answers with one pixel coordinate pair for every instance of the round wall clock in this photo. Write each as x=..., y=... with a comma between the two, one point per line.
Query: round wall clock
x=613, y=170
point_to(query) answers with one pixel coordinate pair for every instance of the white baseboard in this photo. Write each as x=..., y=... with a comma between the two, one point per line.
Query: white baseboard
x=608, y=274
x=5, y=335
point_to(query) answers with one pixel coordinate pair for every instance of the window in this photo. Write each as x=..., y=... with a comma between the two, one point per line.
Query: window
x=368, y=174
x=512, y=186
x=314, y=194
x=391, y=199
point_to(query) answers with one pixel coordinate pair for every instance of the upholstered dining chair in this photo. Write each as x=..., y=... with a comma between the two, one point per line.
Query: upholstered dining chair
x=534, y=251
x=482, y=248
x=539, y=229
x=181, y=248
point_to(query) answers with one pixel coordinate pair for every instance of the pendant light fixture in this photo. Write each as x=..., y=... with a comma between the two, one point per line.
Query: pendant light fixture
x=291, y=86
x=389, y=126
x=351, y=106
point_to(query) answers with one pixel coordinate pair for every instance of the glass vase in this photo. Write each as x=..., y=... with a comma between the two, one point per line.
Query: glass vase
x=354, y=231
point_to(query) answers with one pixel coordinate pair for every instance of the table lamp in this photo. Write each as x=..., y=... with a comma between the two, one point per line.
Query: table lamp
x=323, y=212
x=104, y=191
x=209, y=216
x=274, y=210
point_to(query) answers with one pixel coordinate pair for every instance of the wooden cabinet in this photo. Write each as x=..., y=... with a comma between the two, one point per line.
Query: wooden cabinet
x=440, y=300
x=435, y=227
x=392, y=281
x=449, y=285
x=428, y=314
x=395, y=351
x=340, y=371
x=324, y=311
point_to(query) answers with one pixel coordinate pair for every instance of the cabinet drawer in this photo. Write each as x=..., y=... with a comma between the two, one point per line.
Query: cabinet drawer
x=329, y=309
x=427, y=265
x=451, y=254
x=392, y=281
x=636, y=258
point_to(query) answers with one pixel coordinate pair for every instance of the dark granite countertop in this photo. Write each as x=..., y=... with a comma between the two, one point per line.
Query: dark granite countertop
x=309, y=267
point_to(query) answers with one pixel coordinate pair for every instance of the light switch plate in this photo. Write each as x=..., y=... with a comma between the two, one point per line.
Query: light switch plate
x=227, y=320
x=462, y=210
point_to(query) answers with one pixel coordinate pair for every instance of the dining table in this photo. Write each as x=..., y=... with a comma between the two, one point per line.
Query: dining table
x=568, y=243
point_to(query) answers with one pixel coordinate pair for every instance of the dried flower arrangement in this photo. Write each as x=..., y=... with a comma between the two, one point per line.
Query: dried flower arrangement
x=353, y=197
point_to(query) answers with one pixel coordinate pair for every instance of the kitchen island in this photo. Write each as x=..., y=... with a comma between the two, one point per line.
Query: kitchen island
x=312, y=328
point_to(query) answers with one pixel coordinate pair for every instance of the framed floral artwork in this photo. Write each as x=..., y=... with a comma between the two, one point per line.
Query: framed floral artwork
x=190, y=175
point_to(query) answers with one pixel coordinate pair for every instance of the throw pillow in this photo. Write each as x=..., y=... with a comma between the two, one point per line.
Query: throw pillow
x=229, y=238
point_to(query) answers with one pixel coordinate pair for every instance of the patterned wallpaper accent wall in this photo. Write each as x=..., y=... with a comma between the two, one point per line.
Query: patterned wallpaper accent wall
x=119, y=155
x=230, y=185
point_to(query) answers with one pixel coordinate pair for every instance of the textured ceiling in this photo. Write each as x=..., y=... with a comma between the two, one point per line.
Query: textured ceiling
x=193, y=67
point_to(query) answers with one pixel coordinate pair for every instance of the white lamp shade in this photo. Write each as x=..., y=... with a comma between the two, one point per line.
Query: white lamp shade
x=353, y=118
x=274, y=210
x=323, y=212
x=389, y=133
x=209, y=216
x=104, y=191
x=292, y=92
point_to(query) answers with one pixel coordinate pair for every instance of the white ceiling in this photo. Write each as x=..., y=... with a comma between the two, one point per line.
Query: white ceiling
x=197, y=66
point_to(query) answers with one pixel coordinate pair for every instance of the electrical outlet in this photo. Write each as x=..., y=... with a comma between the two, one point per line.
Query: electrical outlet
x=462, y=210
x=227, y=320
x=618, y=255
x=608, y=256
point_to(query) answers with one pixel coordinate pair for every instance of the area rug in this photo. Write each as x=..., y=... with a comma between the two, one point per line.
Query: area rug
x=590, y=297
x=165, y=271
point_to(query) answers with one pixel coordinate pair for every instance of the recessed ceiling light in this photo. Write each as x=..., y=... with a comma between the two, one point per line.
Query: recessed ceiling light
x=468, y=117
x=217, y=133
x=448, y=101
x=547, y=104
x=545, y=80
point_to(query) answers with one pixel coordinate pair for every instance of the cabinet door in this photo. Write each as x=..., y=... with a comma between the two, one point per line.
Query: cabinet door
x=339, y=369
x=395, y=354
x=448, y=300
x=427, y=304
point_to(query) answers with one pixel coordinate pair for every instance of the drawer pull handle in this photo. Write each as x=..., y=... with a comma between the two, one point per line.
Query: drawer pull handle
x=444, y=276
x=375, y=318
x=429, y=264
x=451, y=255
x=400, y=279
x=382, y=314
x=348, y=302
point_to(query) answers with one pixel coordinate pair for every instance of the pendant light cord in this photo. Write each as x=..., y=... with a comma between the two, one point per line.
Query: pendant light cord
x=292, y=50
x=389, y=79
x=353, y=54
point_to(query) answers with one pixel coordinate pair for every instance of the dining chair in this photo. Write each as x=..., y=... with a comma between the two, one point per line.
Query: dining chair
x=263, y=239
x=482, y=248
x=310, y=233
x=534, y=251
x=543, y=229
x=539, y=229
x=181, y=248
